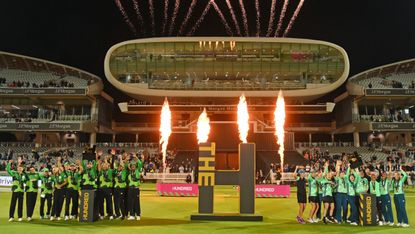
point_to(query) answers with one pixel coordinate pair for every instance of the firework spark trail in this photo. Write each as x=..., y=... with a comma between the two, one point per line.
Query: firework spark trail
x=187, y=17
x=245, y=17
x=235, y=21
x=222, y=17
x=200, y=20
x=139, y=16
x=279, y=121
x=258, y=18
x=271, y=17
x=153, y=24
x=173, y=20
x=166, y=12
x=125, y=16
x=282, y=16
x=293, y=18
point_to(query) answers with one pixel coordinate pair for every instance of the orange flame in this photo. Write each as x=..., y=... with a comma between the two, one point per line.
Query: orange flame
x=279, y=120
x=165, y=130
x=243, y=119
x=203, y=127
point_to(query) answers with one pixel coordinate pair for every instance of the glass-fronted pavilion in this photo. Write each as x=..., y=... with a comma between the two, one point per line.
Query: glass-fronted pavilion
x=224, y=64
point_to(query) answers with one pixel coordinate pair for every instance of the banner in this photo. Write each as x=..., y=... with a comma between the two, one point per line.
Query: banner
x=393, y=126
x=52, y=126
x=178, y=190
x=367, y=210
x=42, y=91
x=192, y=190
x=88, y=206
x=6, y=181
x=271, y=190
x=390, y=92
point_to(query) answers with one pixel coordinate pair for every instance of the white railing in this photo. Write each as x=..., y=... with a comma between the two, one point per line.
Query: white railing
x=168, y=177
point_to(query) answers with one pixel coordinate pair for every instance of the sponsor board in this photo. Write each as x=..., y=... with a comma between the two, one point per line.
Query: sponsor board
x=53, y=126
x=43, y=91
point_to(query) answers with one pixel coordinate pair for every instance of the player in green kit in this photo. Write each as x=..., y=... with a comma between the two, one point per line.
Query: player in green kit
x=385, y=188
x=46, y=193
x=134, y=176
x=399, y=197
x=89, y=174
x=19, y=177
x=120, y=189
x=32, y=189
x=72, y=192
x=60, y=181
x=313, y=196
x=341, y=196
x=374, y=189
x=328, y=200
x=351, y=196
x=105, y=189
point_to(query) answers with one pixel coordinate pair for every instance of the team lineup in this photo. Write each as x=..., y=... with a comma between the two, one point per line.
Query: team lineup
x=117, y=180
x=334, y=192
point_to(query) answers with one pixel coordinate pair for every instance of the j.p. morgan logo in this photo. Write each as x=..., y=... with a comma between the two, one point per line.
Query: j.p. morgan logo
x=393, y=126
x=43, y=91
x=390, y=92
x=40, y=126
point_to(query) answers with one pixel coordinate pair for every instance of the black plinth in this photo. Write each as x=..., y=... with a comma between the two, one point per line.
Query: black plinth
x=226, y=217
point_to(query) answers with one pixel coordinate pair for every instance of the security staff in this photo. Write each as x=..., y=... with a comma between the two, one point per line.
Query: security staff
x=72, y=192
x=120, y=188
x=19, y=177
x=46, y=193
x=32, y=190
x=134, y=176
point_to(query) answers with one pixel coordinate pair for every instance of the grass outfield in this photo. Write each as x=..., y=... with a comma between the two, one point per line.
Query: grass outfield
x=171, y=215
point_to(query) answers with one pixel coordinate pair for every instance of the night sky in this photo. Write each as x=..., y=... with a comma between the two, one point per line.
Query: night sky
x=79, y=32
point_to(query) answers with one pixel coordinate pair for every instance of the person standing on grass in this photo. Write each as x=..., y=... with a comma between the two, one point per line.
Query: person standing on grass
x=105, y=188
x=341, y=196
x=399, y=197
x=362, y=185
x=46, y=193
x=301, y=193
x=313, y=196
x=72, y=192
x=32, y=189
x=351, y=197
x=60, y=181
x=120, y=187
x=328, y=200
x=374, y=188
x=385, y=188
x=134, y=175
x=320, y=195
x=19, y=178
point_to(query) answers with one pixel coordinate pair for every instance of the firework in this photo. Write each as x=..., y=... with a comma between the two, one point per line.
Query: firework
x=282, y=16
x=187, y=17
x=125, y=16
x=271, y=17
x=293, y=18
x=244, y=16
x=235, y=21
x=222, y=17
